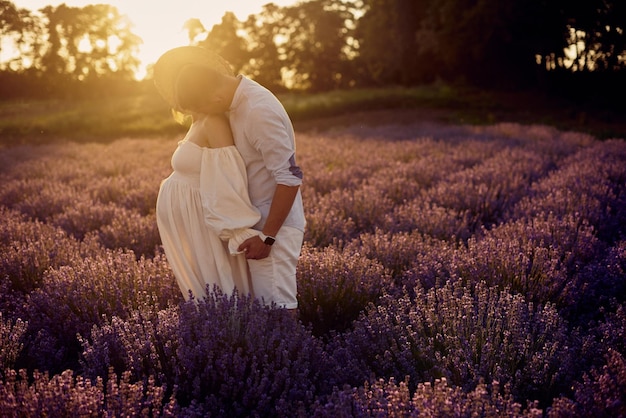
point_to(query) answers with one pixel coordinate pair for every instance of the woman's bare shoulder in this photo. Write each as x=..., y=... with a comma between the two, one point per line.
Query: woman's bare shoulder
x=216, y=131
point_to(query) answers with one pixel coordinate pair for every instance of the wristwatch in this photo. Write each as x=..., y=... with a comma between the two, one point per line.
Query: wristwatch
x=267, y=240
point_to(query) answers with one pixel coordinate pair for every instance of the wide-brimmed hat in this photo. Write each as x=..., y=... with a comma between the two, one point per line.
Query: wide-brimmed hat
x=171, y=62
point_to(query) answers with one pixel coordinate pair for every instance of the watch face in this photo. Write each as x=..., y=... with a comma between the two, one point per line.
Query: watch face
x=269, y=240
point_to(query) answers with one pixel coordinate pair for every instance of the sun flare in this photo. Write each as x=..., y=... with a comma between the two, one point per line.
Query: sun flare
x=162, y=28
x=160, y=24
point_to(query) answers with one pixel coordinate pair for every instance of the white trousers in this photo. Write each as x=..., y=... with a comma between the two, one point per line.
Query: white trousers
x=274, y=277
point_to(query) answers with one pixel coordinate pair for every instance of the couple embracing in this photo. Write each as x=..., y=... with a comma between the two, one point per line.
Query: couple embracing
x=231, y=213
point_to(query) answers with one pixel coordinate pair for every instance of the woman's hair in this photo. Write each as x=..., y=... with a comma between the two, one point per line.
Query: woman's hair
x=194, y=86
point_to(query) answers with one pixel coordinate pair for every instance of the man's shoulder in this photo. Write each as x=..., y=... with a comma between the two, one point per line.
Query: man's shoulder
x=257, y=92
x=261, y=105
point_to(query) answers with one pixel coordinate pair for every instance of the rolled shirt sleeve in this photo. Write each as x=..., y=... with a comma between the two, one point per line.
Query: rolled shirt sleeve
x=265, y=137
x=273, y=137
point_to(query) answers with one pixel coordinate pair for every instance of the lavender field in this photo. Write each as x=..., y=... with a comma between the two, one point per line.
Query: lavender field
x=446, y=271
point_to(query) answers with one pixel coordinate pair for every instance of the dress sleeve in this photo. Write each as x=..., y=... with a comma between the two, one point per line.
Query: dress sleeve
x=224, y=191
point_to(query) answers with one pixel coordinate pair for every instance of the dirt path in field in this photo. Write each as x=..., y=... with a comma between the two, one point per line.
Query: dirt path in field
x=378, y=118
x=392, y=124
x=430, y=119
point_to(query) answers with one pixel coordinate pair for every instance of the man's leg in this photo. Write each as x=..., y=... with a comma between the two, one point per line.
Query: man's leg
x=274, y=278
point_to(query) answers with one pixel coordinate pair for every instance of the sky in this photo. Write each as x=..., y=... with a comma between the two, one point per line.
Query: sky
x=160, y=23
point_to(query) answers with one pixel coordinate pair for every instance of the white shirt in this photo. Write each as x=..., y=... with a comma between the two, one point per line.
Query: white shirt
x=265, y=138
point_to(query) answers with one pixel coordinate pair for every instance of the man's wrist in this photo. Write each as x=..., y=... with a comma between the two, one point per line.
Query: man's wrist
x=267, y=239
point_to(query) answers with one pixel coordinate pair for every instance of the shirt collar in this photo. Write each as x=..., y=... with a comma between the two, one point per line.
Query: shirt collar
x=238, y=97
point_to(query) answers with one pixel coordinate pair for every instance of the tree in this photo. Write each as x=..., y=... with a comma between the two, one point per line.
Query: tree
x=195, y=29
x=492, y=42
x=478, y=40
x=597, y=30
x=92, y=41
x=10, y=23
x=386, y=36
x=21, y=30
x=224, y=40
x=265, y=63
x=313, y=39
x=309, y=40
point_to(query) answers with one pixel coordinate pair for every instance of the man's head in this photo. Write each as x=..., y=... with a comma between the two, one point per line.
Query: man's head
x=193, y=79
x=200, y=89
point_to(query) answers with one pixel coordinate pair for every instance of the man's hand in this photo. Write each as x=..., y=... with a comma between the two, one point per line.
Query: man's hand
x=254, y=248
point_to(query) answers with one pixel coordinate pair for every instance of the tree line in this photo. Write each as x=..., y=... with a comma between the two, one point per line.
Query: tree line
x=66, y=51
x=320, y=45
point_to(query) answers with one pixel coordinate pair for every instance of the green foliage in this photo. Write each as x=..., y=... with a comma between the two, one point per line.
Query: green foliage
x=147, y=115
x=85, y=120
x=389, y=47
x=81, y=42
x=225, y=40
x=492, y=42
x=571, y=49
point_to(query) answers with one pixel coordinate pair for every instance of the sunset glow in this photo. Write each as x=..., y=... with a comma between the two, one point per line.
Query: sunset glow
x=160, y=23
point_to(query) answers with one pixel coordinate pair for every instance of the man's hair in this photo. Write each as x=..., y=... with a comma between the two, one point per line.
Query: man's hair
x=194, y=86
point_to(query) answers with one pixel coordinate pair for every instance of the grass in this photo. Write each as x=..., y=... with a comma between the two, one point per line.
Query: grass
x=148, y=115
x=84, y=120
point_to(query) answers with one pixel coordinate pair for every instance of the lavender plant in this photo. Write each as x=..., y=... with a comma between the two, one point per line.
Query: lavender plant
x=238, y=358
x=602, y=287
x=219, y=355
x=498, y=251
x=131, y=231
x=612, y=330
x=85, y=216
x=28, y=248
x=602, y=392
x=465, y=334
x=589, y=185
x=390, y=399
x=144, y=345
x=66, y=394
x=74, y=298
x=424, y=215
x=486, y=191
x=335, y=286
x=537, y=258
x=59, y=395
x=410, y=258
x=11, y=334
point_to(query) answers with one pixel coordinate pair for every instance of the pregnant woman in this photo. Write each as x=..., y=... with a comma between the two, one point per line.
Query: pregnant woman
x=203, y=208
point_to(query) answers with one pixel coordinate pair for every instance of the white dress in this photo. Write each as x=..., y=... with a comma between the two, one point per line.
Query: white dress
x=203, y=214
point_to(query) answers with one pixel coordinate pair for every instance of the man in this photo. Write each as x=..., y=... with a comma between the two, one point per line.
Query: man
x=264, y=136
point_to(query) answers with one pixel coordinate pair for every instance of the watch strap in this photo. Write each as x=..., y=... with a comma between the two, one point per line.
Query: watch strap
x=267, y=239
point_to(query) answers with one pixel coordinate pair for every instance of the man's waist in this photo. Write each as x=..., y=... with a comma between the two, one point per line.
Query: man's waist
x=294, y=219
